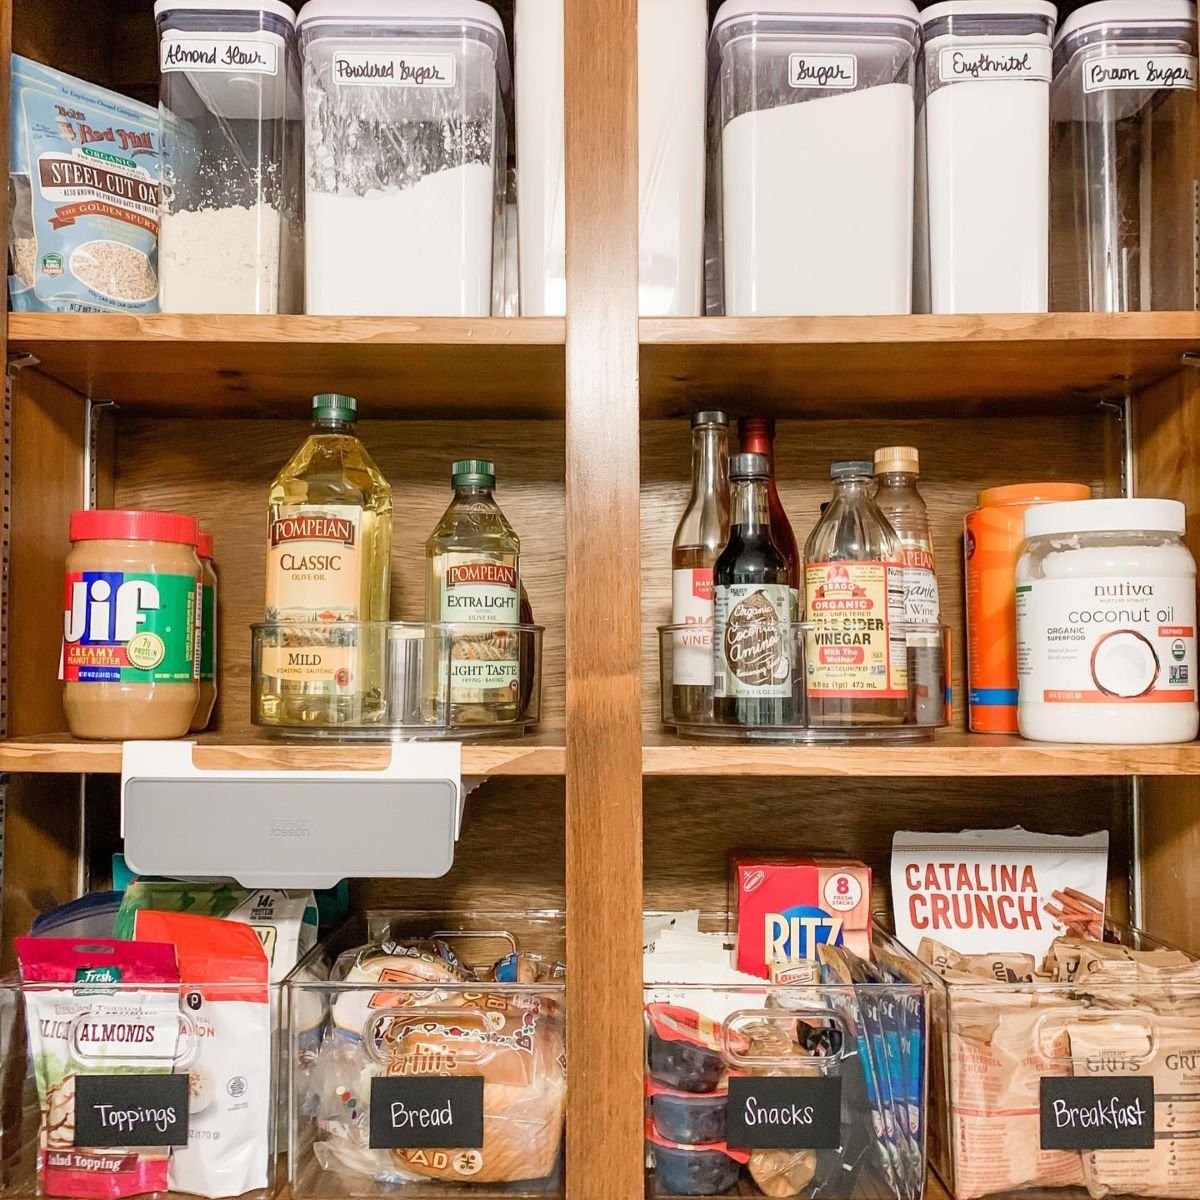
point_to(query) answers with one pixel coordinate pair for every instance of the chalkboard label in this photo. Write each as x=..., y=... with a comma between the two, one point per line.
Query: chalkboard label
x=785, y=1113
x=435, y=1112
x=1108, y=1113
x=131, y=1110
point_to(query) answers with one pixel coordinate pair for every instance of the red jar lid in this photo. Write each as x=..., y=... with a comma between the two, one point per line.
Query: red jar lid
x=204, y=546
x=132, y=525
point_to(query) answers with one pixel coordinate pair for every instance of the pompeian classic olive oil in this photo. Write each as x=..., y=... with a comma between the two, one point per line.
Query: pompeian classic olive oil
x=329, y=546
x=473, y=568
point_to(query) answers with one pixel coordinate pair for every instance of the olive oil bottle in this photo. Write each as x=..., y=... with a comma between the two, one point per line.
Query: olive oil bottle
x=473, y=571
x=329, y=546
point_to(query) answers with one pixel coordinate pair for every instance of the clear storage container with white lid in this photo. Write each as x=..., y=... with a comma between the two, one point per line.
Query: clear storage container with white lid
x=1123, y=112
x=405, y=156
x=983, y=157
x=232, y=139
x=1106, y=623
x=812, y=157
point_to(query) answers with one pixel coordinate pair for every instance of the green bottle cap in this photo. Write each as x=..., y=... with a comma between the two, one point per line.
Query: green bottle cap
x=473, y=472
x=334, y=406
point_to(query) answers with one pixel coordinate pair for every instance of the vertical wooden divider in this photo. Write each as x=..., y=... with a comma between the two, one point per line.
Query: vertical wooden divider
x=604, y=758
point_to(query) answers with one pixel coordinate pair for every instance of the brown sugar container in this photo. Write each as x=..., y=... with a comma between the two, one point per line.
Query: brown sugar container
x=131, y=637
x=208, y=633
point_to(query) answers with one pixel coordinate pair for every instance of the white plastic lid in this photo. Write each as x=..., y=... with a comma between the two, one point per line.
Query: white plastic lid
x=414, y=12
x=274, y=8
x=864, y=11
x=1103, y=516
x=1127, y=12
x=989, y=8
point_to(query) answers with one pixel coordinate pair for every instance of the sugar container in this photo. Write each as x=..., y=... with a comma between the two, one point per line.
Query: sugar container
x=812, y=157
x=405, y=155
x=1123, y=141
x=230, y=240
x=983, y=157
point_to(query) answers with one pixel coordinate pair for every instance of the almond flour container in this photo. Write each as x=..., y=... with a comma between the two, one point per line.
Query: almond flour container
x=1106, y=624
x=130, y=633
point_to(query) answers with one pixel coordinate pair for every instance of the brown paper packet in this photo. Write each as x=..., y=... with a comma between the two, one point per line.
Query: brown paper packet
x=1143, y=1043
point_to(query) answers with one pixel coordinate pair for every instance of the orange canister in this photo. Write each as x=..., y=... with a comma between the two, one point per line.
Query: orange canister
x=992, y=545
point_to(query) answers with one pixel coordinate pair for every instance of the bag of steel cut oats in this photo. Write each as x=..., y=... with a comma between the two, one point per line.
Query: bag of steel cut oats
x=85, y=179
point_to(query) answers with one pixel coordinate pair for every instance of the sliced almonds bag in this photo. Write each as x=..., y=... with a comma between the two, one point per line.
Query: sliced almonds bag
x=126, y=1029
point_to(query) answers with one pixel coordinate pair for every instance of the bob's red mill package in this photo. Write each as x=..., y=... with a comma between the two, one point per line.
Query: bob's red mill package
x=995, y=891
x=786, y=909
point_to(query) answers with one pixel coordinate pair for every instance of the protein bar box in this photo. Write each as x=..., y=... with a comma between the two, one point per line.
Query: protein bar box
x=787, y=908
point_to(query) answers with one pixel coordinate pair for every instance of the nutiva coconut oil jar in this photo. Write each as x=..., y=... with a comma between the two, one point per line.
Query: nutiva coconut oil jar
x=1106, y=623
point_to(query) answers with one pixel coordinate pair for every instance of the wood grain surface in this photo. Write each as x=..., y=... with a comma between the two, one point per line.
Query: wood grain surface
x=958, y=459
x=254, y=366
x=220, y=470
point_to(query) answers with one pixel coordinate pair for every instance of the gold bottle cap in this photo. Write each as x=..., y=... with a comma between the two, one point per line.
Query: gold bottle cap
x=897, y=458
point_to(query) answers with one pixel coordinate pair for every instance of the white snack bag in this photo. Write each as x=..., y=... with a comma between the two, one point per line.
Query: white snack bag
x=989, y=891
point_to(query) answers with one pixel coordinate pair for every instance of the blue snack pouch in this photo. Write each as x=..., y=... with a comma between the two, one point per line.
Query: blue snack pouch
x=85, y=180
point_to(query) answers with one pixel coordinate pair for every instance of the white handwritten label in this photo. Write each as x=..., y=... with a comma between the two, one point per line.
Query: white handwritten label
x=823, y=71
x=1130, y=72
x=257, y=55
x=369, y=68
x=995, y=62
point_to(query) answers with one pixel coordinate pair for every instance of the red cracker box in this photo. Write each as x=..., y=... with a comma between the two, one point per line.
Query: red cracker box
x=785, y=909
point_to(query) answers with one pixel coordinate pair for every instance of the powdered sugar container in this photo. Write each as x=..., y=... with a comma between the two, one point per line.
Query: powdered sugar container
x=232, y=152
x=405, y=155
x=1123, y=140
x=812, y=157
x=983, y=157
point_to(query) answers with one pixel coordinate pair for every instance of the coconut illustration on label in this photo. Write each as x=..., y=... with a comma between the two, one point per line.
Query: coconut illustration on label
x=754, y=645
x=1124, y=664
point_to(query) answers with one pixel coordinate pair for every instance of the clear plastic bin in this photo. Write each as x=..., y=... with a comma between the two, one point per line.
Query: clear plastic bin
x=401, y=679
x=231, y=1150
x=799, y=713
x=992, y=1044
x=983, y=234
x=351, y=1037
x=812, y=157
x=1123, y=111
x=230, y=240
x=405, y=156
x=707, y=1046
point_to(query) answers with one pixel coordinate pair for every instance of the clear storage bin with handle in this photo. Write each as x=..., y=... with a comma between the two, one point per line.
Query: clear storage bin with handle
x=983, y=157
x=230, y=240
x=405, y=155
x=1123, y=158
x=812, y=157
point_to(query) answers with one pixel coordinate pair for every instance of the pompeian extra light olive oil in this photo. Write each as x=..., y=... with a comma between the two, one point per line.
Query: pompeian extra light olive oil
x=329, y=547
x=473, y=569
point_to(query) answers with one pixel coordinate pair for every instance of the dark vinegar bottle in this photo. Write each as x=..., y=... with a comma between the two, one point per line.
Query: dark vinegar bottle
x=752, y=652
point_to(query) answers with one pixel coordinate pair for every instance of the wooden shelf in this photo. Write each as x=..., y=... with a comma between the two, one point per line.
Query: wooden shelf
x=252, y=750
x=918, y=366
x=173, y=365
x=951, y=753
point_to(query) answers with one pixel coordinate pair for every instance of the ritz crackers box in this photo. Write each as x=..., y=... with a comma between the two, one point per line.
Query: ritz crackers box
x=785, y=909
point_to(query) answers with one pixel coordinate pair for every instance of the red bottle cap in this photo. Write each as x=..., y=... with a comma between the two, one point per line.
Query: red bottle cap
x=204, y=545
x=132, y=525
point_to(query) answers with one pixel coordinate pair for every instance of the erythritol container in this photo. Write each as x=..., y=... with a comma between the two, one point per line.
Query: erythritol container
x=230, y=240
x=812, y=156
x=405, y=155
x=1106, y=623
x=983, y=157
x=992, y=542
x=671, y=99
x=1123, y=108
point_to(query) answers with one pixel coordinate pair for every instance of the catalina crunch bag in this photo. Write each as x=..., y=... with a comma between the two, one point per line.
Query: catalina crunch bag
x=85, y=185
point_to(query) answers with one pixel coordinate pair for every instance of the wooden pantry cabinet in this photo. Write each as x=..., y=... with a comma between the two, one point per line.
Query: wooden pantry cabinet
x=600, y=811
